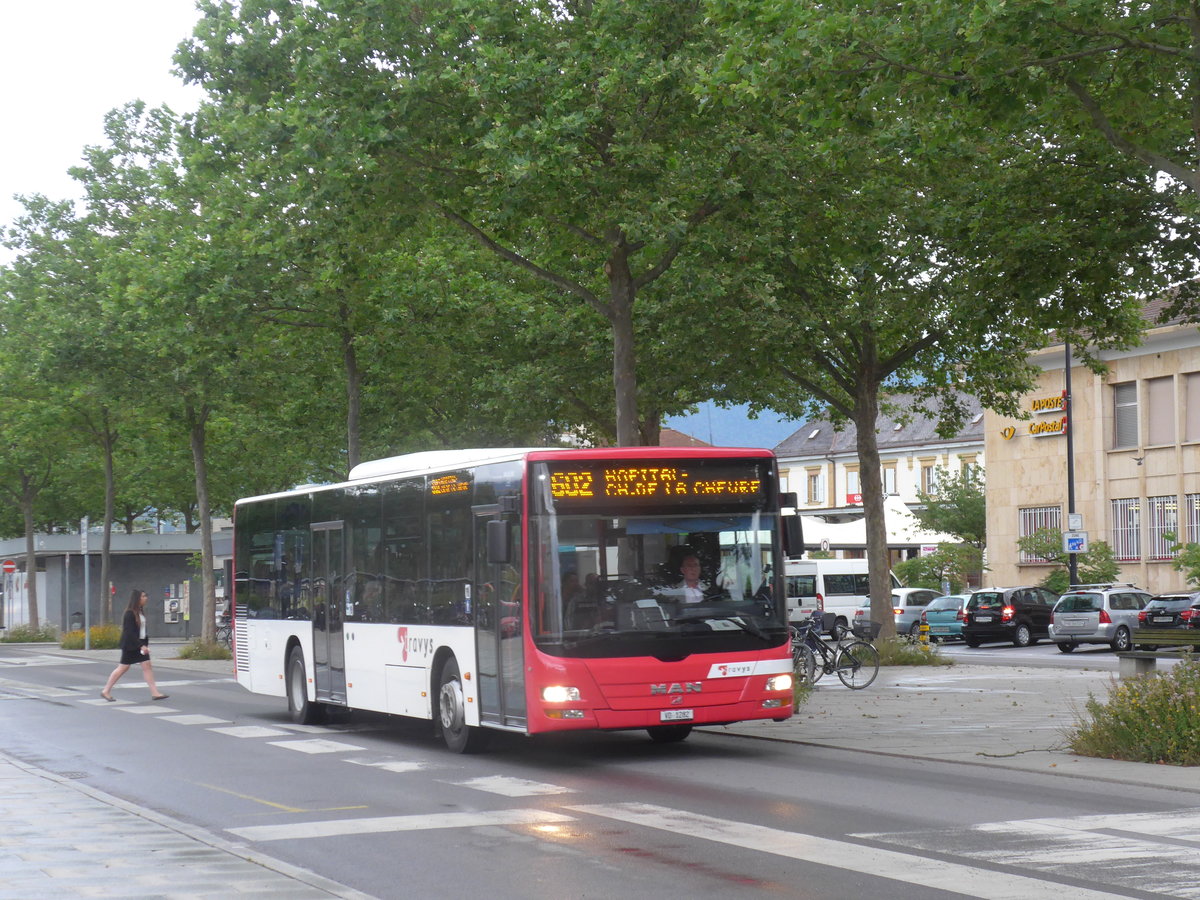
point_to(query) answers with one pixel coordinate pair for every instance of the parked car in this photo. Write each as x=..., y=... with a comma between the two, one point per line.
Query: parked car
x=1097, y=614
x=1017, y=614
x=907, y=606
x=945, y=616
x=1170, y=611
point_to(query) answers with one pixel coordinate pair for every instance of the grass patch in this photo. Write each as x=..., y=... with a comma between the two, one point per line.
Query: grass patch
x=199, y=649
x=26, y=634
x=900, y=651
x=1152, y=718
x=103, y=637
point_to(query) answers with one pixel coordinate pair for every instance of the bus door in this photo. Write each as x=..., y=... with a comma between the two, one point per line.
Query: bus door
x=329, y=590
x=499, y=628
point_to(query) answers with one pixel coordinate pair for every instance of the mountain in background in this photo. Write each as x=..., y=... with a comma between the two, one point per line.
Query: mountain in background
x=734, y=427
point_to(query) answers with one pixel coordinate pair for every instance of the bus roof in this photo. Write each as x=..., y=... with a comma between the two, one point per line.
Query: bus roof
x=430, y=461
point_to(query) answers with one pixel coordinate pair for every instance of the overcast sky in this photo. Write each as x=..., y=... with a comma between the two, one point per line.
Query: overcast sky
x=63, y=65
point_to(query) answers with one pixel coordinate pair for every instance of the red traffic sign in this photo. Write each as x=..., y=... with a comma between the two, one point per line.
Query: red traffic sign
x=8, y=566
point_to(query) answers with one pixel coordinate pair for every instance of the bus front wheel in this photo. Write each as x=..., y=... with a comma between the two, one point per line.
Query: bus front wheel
x=452, y=713
x=302, y=710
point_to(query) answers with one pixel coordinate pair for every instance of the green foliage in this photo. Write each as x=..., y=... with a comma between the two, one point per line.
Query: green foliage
x=900, y=651
x=103, y=637
x=958, y=506
x=201, y=649
x=26, y=634
x=956, y=564
x=1152, y=719
x=1187, y=559
x=1098, y=566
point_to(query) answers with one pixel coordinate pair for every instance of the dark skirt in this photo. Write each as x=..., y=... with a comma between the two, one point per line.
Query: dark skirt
x=135, y=656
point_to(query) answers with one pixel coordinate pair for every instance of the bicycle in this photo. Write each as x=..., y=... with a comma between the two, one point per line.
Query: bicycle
x=855, y=661
x=224, y=633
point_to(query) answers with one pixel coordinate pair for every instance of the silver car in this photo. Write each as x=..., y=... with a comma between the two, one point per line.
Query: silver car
x=1097, y=614
x=907, y=606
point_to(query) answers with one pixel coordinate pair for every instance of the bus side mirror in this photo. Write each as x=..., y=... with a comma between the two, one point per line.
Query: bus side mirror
x=498, y=551
x=793, y=528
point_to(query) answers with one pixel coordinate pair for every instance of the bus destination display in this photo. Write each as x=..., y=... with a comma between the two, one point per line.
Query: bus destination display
x=678, y=483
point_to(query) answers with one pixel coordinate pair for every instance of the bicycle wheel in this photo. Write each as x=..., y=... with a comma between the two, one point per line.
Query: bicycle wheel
x=224, y=635
x=857, y=664
x=804, y=664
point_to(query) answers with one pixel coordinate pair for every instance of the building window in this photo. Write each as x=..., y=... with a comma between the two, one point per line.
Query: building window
x=853, y=487
x=1160, y=412
x=1127, y=529
x=1191, y=507
x=928, y=476
x=889, y=478
x=968, y=465
x=1125, y=415
x=1034, y=518
x=1191, y=419
x=1161, y=519
x=816, y=486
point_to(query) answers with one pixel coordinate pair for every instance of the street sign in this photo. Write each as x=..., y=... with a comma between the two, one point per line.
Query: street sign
x=1075, y=542
x=8, y=566
x=1074, y=521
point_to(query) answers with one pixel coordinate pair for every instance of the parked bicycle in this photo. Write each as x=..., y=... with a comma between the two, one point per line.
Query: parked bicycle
x=855, y=661
x=224, y=632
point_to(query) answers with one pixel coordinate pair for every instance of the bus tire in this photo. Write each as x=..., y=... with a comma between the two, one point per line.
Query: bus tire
x=452, y=713
x=668, y=734
x=302, y=710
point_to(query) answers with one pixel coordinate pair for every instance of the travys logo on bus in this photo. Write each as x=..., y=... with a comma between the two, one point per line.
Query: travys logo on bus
x=731, y=670
x=417, y=646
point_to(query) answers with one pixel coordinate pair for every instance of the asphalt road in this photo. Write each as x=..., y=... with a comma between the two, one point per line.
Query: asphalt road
x=376, y=804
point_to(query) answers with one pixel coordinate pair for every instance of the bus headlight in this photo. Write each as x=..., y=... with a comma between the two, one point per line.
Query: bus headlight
x=779, y=683
x=560, y=694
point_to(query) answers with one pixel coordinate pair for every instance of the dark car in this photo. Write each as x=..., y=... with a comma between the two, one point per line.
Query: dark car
x=1017, y=614
x=1169, y=611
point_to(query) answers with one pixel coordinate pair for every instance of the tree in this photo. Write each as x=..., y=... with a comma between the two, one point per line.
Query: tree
x=1187, y=558
x=1097, y=566
x=562, y=137
x=957, y=506
x=912, y=250
x=956, y=565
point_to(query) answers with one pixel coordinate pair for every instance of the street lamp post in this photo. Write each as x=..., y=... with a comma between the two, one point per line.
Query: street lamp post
x=1072, y=558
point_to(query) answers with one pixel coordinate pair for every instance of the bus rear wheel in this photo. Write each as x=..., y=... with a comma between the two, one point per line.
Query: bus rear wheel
x=302, y=710
x=452, y=713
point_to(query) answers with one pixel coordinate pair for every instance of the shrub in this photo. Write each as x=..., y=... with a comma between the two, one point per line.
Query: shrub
x=103, y=637
x=199, y=649
x=900, y=651
x=1153, y=718
x=27, y=634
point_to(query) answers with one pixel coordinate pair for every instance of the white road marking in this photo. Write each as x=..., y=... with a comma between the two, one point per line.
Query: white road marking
x=512, y=787
x=396, y=766
x=23, y=661
x=195, y=720
x=383, y=824
x=249, y=731
x=985, y=884
x=316, y=746
x=130, y=707
x=1154, y=852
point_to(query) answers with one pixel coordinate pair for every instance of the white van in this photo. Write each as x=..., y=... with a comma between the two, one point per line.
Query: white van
x=836, y=586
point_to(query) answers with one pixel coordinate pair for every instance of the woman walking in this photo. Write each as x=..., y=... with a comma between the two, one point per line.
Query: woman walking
x=135, y=648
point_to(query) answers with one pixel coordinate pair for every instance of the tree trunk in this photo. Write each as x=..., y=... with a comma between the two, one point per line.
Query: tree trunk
x=353, y=399
x=110, y=493
x=27, y=496
x=866, y=414
x=620, y=317
x=197, y=421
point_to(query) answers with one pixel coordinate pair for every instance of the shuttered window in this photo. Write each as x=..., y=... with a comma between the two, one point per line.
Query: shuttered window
x=1125, y=415
x=1160, y=411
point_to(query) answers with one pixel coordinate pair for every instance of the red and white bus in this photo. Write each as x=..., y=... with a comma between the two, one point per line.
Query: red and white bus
x=525, y=590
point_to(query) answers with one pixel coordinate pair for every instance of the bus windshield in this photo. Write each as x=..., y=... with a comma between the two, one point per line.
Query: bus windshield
x=655, y=585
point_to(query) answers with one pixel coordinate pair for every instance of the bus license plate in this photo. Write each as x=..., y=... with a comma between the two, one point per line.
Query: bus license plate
x=676, y=715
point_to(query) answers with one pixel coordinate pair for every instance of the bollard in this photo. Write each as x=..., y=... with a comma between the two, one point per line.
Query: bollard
x=924, y=631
